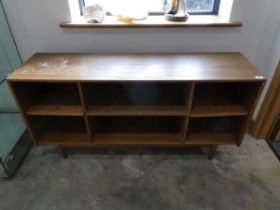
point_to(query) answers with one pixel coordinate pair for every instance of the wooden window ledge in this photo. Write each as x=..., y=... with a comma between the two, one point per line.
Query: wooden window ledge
x=155, y=22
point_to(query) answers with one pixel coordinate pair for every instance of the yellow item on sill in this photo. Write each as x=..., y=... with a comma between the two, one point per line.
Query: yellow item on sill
x=131, y=16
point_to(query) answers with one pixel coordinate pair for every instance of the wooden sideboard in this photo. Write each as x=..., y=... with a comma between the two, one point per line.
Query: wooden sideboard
x=137, y=100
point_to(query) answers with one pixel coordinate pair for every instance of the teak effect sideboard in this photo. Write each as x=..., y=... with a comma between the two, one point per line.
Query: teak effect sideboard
x=137, y=100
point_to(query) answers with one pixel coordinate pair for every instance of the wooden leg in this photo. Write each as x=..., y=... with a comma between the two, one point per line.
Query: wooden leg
x=62, y=151
x=212, y=151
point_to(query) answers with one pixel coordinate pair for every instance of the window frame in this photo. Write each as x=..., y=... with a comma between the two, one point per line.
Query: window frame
x=215, y=10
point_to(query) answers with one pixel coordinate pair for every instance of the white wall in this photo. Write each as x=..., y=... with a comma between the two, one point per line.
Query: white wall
x=35, y=26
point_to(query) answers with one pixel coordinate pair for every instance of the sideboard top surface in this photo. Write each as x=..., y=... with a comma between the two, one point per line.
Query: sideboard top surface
x=72, y=67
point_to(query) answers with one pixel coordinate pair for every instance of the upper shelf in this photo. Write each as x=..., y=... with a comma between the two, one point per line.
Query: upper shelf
x=55, y=110
x=177, y=67
x=137, y=110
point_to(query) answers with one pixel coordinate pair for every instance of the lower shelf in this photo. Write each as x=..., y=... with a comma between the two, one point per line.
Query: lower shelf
x=127, y=139
x=64, y=138
x=135, y=140
x=211, y=139
x=110, y=139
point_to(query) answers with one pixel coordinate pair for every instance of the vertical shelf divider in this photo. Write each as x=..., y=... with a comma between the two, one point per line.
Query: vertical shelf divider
x=188, y=99
x=84, y=105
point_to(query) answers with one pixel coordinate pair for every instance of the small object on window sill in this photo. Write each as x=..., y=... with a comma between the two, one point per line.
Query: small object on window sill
x=130, y=16
x=94, y=13
x=178, y=11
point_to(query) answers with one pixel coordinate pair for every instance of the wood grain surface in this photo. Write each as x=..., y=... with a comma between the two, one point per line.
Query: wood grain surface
x=63, y=67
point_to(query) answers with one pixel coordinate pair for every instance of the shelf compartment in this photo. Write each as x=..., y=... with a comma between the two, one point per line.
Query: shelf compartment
x=218, y=130
x=157, y=110
x=58, y=129
x=135, y=94
x=221, y=99
x=135, y=130
x=55, y=110
x=49, y=98
x=135, y=124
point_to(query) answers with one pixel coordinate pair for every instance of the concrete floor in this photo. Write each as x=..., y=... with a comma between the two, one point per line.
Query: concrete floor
x=237, y=178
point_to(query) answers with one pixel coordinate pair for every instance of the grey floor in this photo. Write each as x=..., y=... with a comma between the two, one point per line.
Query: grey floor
x=237, y=178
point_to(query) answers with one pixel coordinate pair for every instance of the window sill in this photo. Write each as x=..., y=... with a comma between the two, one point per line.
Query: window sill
x=155, y=22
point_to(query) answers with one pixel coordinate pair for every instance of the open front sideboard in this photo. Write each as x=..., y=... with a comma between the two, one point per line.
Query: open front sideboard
x=137, y=100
